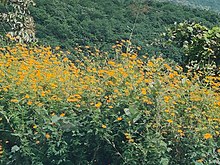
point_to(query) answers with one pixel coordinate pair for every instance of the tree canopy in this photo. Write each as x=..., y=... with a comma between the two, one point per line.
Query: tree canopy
x=102, y=23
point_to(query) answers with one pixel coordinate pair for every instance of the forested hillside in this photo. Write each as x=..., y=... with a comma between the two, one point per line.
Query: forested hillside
x=204, y=4
x=102, y=23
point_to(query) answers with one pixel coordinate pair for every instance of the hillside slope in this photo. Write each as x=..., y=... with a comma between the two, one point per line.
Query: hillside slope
x=71, y=23
x=204, y=4
x=101, y=23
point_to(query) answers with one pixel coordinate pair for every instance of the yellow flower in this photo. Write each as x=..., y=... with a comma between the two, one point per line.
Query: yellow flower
x=129, y=137
x=169, y=121
x=166, y=110
x=104, y=126
x=98, y=105
x=124, y=55
x=207, y=136
x=57, y=48
x=119, y=118
x=34, y=126
x=138, y=48
x=47, y=135
x=114, y=46
x=133, y=57
x=27, y=96
x=200, y=160
x=53, y=114
x=143, y=91
x=167, y=67
x=78, y=105
x=166, y=99
x=218, y=150
x=111, y=63
x=14, y=100
x=150, y=64
x=72, y=99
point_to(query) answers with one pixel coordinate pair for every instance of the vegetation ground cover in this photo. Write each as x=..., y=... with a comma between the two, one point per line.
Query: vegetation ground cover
x=118, y=105
x=98, y=109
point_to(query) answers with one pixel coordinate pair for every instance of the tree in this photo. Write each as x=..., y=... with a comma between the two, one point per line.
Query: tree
x=201, y=45
x=20, y=21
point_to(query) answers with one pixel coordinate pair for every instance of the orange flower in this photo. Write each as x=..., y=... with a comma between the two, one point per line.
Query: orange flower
x=43, y=94
x=171, y=75
x=62, y=114
x=119, y=118
x=78, y=105
x=27, y=96
x=47, y=135
x=29, y=102
x=207, y=136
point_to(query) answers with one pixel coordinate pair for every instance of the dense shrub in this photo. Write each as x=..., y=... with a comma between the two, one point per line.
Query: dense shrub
x=102, y=108
x=200, y=45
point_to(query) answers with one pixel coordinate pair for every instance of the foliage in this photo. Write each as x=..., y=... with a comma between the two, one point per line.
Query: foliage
x=203, y=4
x=200, y=44
x=103, y=108
x=19, y=20
x=102, y=23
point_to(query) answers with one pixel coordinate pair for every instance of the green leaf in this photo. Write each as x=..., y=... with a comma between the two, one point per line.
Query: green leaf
x=127, y=111
x=55, y=118
x=164, y=161
x=15, y=148
x=136, y=118
x=67, y=126
x=4, y=1
x=190, y=29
